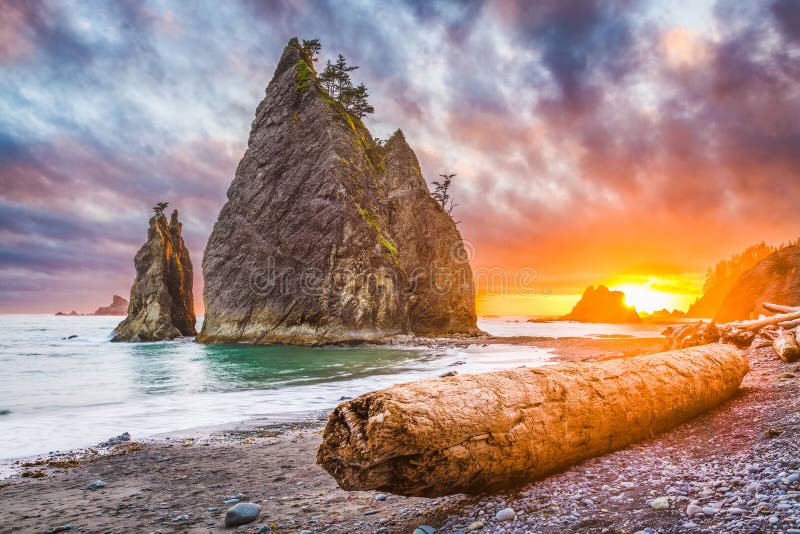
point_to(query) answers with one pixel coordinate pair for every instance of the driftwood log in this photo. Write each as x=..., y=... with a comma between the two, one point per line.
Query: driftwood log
x=779, y=308
x=786, y=346
x=483, y=432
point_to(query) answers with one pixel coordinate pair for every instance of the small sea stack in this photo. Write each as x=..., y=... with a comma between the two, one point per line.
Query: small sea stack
x=601, y=305
x=161, y=304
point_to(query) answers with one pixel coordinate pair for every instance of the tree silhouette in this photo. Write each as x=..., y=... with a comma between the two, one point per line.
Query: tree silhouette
x=311, y=48
x=441, y=192
x=159, y=208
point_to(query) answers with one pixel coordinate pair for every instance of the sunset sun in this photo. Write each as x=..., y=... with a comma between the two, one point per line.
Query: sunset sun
x=646, y=298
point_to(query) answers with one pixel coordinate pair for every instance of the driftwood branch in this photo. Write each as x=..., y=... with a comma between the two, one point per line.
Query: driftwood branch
x=779, y=308
x=473, y=433
x=757, y=324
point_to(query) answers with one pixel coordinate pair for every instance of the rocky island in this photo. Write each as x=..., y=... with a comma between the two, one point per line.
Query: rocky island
x=327, y=235
x=118, y=306
x=161, y=305
x=601, y=305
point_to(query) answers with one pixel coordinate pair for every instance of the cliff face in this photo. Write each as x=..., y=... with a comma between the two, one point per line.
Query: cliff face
x=602, y=306
x=119, y=306
x=161, y=304
x=774, y=279
x=314, y=244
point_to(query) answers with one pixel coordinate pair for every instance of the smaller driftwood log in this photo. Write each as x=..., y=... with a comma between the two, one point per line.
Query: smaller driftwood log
x=786, y=346
x=482, y=432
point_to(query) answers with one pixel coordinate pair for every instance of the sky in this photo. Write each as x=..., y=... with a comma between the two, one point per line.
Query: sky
x=627, y=143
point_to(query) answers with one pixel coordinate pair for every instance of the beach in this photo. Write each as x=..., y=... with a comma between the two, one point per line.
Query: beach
x=735, y=468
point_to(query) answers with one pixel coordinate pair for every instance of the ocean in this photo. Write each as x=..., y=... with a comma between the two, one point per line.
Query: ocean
x=60, y=394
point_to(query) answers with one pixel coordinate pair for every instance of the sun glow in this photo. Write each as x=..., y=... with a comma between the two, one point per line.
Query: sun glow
x=647, y=297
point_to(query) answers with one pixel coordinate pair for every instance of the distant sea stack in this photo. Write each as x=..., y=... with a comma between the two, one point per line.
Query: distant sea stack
x=161, y=304
x=328, y=236
x=774, y=279
x=119, y=306
x=602, y=305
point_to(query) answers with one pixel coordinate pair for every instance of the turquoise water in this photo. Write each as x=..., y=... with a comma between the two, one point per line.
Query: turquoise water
x=59, y=394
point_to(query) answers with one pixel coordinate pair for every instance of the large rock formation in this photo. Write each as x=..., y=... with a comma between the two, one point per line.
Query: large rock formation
x=602, y=305
x=327, y=236
x=119, y=306
x=774, y=279
x=161, y=305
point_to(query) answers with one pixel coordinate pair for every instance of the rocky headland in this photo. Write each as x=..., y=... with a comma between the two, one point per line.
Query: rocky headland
x=774, y=279
x=161, y=304
x=328, y=236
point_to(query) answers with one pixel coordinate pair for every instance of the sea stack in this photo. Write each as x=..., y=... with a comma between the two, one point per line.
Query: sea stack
x=119, y=306
x=161, y=304
x=328, y=236
x=601, y=305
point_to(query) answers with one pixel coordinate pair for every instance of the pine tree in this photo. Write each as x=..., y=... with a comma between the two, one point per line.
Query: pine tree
x=159, y=208
x=311, y=48
x=335, y=79
x=441, y=192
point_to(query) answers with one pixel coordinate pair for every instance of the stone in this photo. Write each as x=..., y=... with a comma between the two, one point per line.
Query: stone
x=381, y=497
x=660, y=503
x=477, y=525
x=96, y=484
x=161, y=304
x=327, y=236
x=424, y=529
x=264, y=529
x=116, y=440
x=693, y=509
x=601, y=305
x=506, y=514
x=241, y=514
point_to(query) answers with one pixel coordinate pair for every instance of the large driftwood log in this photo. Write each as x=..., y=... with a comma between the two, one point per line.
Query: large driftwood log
x=482, y=432
x=786, y=346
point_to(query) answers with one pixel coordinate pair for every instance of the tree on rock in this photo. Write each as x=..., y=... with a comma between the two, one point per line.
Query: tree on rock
x=311, y=48
x=159, y=208
x=441, y=192
x=335, y=79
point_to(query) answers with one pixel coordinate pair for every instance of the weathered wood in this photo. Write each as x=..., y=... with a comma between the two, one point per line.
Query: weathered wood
x=787, y=347
x=786, y=325
x=766, y=321
x=780, y=308
x=482, y=432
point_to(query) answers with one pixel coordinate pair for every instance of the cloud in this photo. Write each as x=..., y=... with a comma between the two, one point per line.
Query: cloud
x=590, y=139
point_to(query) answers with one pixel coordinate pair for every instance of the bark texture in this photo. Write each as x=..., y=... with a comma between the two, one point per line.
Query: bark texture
x=483, y=432
x=161, y=304
x=316, y=243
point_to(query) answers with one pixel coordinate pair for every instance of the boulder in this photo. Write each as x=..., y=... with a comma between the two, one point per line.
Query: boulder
x=161, y=304
x=601, y=305
x=328, y=236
